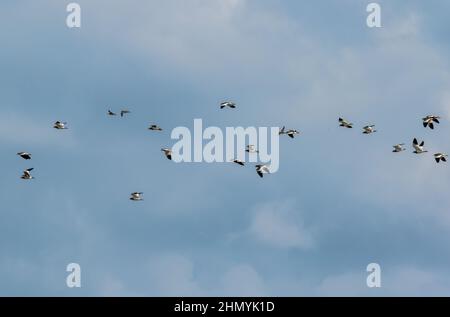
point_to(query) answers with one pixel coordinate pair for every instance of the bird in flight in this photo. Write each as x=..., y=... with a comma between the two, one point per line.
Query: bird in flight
x=262, y=169
x=123, y=112
x=440, y=157
x=238, y=162
x=368, y=129
x=344, y=123
x=25, y=155
x=136, y=196
x=26, y=174
x=251, y=149
x=429, y=121
x=291, y=132
x=167, y=153
x=399, y=148
x=110, y=113
x=154, y=127
x=418, y=148
x=228, y=104
x=60, y=125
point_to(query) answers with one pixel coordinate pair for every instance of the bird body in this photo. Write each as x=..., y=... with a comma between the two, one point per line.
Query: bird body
x=228, y=104
x=418, y=148
x=239, y=162
x=399, y=148
x=440, y=157
x=430, y=120
x=123, y=112
x=368, y=129
x=251, y=149
x=60, y=125
x=262, y=169
x=291, y=132
x=110, y=113
x=27, y=174
x=167, y=153
x=25, y=155
x=154, y=127
x=344, y=123
x=137, y=196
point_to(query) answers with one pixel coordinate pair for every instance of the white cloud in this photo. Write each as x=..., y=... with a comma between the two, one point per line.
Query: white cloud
x=346, y=284
x=445, y=103
x=395, y=281
x=173, y=275
x=407, y=25
x=278, y=225
x=22, y=130
x=111, y=286
x=242, y=280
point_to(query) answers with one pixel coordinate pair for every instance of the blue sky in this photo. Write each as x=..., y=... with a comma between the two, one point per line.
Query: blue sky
x=339, y=201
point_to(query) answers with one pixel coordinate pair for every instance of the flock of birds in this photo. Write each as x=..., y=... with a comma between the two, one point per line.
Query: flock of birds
x=261, y=169
x=419, y=148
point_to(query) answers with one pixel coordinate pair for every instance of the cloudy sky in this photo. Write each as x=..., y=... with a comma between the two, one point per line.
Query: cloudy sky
x=339, y=201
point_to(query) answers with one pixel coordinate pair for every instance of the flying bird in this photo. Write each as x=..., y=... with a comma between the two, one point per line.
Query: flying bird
x=429, y=121
x=167, y=153
x=228, y=104
x=154, y=127
x=344, y=123
x=123, y=112
x=440, y=157
x=291, y=132
x=251, y=149
x=368, y=129
x=110, y=113
x=418, y=148
x=238, y=162
x=262, y=169
x=399, y=148
x=24, y=155
x=60, y=125
x=26, y=174
x=136, y=196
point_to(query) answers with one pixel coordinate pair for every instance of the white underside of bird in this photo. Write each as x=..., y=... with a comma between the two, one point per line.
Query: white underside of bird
x=60, y=125
x=137, y=196
x=251, y=149
x=262, y=169
x=440, y=157
x=418, y=148
x=369, y=129
x=429, y=121
x=27, y=174
x=290, y=132
x=228, y=104
x=399, y=148
x=167, y=153
x=344, y=123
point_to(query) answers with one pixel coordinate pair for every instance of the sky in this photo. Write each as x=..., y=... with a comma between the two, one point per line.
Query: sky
x=339, y=201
